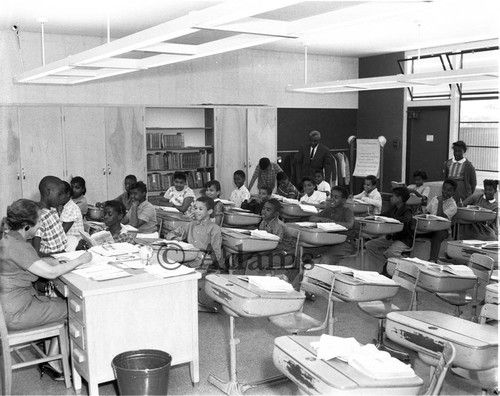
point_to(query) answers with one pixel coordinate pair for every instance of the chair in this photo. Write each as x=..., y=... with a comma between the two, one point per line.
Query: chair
x=488, y=311
x=407, y=252
x=13, y=342
x=406, y=275
x=482, y=266
x=442, y=367
x=299, y=322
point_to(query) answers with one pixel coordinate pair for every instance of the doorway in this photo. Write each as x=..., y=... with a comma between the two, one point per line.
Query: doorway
x=428, y=131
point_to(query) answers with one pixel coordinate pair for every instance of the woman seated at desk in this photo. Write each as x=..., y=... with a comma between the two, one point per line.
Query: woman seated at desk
x=20, y=266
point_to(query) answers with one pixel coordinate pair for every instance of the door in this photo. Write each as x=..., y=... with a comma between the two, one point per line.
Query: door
x=84, y=135
x=428, y=140
x=42, y=149
x=262, y=138
x=230, y=145
x=125, y=147
x=10, y=171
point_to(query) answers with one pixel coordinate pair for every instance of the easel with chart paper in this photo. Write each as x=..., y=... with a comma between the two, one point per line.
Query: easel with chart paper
x=369, y=154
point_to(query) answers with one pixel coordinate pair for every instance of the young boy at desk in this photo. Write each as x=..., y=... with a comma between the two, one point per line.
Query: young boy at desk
x=50, y=237
x=321, y=184
x=311, y=196
x=213, y=190
x=444, y=206
x=240, y=193
x=255, y=204
x=418, y=188
x=337, y=213
x=202, y=233
x=285, y=187
x=370, y=194
x=483, y=231
x=71, y=219
x=179, y=196
x=142, y=214
x=378, y=250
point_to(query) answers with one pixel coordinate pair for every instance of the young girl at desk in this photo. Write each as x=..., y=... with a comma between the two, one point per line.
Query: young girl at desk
x=311, y=196
x=212, y=190
x=418, y=188
x=142, y=214
x=179, y=196
x=370, y=194
x=71, y=219
x=285, y=187
x=202, y=233
x=78, y=190
x=114, y=212
x=485, y=231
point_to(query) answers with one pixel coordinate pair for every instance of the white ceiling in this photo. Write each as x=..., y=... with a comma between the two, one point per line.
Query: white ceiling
x=354, y=29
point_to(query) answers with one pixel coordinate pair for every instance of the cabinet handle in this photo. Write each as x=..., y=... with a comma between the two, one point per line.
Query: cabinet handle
x=78, y=355
x=18, y=176
x=24, y=174
x=74, y=306
x=104, y=171
x=109, y=170
x=74, y=331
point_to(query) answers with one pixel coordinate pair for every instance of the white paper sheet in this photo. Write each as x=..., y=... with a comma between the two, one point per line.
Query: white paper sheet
x=272, y=284
x=115, y=249
x=161, y=272
x=167, y=209
x=308, y=208
x=264, y=235
x=331, y=227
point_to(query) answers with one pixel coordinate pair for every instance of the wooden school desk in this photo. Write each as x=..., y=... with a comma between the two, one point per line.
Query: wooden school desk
x=137, y=312
x=294, y=357
x=426, y=331
x=460, y=251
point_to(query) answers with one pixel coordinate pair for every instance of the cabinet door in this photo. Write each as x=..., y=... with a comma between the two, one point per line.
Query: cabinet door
x=10, y=171
x=125, y=147
x=42, y=150
x=85, y=139
x=230, y=146
x=262, y=137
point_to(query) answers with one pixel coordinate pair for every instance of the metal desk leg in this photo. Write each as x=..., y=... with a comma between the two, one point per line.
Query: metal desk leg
x=331, y=320
x=362, y=250
x=381, y=346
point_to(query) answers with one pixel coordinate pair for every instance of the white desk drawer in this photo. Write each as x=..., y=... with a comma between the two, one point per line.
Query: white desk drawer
x=80, y=361
x=75, y=306
x=77, y=333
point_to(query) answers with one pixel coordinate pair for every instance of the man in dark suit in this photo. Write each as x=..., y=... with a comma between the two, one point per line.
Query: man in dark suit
x=314, y=156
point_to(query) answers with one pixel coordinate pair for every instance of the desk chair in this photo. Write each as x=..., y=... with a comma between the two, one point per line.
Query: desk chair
x=439, y=373
x=13, y=342
x=482, y=266
x=299, y=322
x=406, y=275
x=488, y=311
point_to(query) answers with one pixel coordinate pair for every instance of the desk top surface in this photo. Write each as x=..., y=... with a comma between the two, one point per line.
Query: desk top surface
x=449, y=327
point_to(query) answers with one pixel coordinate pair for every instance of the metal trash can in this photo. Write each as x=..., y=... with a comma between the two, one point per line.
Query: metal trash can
x=142, y=372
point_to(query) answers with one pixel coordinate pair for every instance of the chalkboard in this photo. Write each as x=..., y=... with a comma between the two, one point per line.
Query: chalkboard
x=367, y=158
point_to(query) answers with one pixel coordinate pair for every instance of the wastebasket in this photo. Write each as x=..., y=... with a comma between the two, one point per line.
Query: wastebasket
x=142, y=372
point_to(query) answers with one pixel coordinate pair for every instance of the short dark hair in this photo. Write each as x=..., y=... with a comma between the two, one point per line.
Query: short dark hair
x=372, y=178
x=267, y=188
x=132, y=178
x=180, y=175
x=450, y=182
x=239, y=172
x=491, y=183
x=46, y=182
x=81, y=182
x=214, y=183
x=461, y=144
x=320, y=171
x=401, y=192
x=275, y=204
x=117, y=206
x=281, y=176
x=342, y=190
x=209, y=202
x=420, y=173
x=67, y=187
x=304, y=179
x=264, y=163
x=21, y=213
x=139, y=186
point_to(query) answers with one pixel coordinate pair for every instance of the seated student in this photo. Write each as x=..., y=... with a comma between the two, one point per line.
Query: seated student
x=370, y=194
x=50, y=237
x=255, y=204
x=321, y=184
x=378, y=250
x=311, y=196
x=285, y=187
x=114, y=212
x=142, y=213
x=78, y=191
x=337, y=213
x=485, y=231
x=202, y=233
x=71, y=219
x=126, y=197
x=444, y=206
x=180, y=195
x=212, y=190
x=419, y=189
x=240, y=193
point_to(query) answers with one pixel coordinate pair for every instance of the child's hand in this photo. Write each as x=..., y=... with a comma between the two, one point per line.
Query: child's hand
x=85, y=258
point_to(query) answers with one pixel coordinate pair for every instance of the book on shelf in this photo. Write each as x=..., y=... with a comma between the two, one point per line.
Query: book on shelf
x=160, y=140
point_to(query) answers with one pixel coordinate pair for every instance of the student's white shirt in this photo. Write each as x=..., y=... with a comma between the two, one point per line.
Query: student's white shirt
x=324, y=187
x=373, y=198
x=316, y=198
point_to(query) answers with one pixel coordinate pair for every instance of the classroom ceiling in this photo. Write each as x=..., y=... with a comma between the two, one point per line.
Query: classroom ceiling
x=354, y=28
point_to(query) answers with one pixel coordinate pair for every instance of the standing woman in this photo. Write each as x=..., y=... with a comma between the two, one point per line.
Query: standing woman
x=20, y=266
x=461, y=170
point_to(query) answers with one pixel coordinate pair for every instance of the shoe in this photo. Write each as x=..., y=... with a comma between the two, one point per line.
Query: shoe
x=46, y=368
x=310, y=296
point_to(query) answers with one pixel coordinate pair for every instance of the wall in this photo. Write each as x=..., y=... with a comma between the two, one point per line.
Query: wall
x=382, y=113
x=241, y=77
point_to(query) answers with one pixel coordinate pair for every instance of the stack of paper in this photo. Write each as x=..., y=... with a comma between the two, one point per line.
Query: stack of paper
x=168, y=209
x=386, y=219
x=308, y=208
x=331, y=227
x=151, y=235
x=161, y=272
x=381, y=366
x=291, y=201
x=306, y=224
x=329, y=347
x=115, y=249
x=264, y=235
x=473, y=242
x=129, y=228
x=101, y=272
x=272, y=284
x=224, y=201
x=434, y=217
x=372, y=277
x=459, y=270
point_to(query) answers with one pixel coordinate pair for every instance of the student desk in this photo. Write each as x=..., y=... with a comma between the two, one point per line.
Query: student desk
x=426, y=331
x=295, y=358
x=460, y=251
x=137, y=312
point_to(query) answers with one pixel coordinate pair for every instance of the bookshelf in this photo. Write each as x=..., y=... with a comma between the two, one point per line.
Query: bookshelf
x=179, y=139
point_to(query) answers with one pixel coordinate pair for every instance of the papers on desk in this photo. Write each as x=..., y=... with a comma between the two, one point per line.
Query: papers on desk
x=183, y=245
x=365, y=276
x=115, y=249
x=236, y=209
x=306, y=224
x=271, y=284
x=308, y=208
x=262, y=234
x=100, y=272
x=383, y=219
x=161, y=272
x=366, y=359
x=291, y=201
x=151, y=235
x=331, y=227
x=168, y=209
x=224, y=201
x=129, y=228
x=474, y=242
x=455, y=269
x=433, y=217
